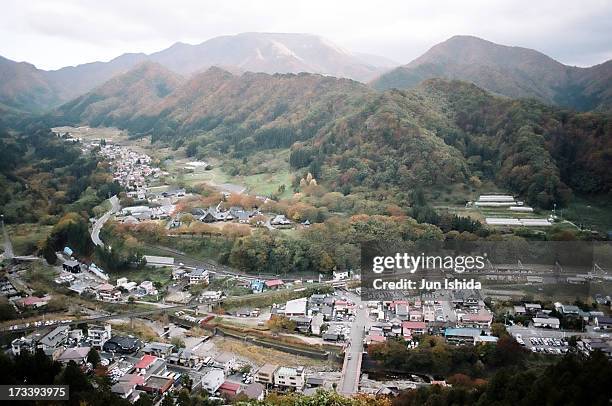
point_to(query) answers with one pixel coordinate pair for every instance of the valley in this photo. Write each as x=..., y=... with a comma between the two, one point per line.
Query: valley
x=225, y=222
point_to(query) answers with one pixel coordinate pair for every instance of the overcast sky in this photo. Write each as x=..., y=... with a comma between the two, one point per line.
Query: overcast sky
x=52, y=34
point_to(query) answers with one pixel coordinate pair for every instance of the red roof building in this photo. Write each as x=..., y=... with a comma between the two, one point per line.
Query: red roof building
x=145, y=362
x=274, y=283
x=410, y=328
x=229, y=388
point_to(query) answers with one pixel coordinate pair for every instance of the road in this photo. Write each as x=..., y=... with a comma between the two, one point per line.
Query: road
x=8, y=247
x=351, y=369
x=95, y=232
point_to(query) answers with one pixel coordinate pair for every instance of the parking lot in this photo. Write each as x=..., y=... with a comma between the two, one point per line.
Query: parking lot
x=541, y=340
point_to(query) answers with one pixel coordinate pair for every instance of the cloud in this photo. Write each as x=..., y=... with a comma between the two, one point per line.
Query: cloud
x=65, y=32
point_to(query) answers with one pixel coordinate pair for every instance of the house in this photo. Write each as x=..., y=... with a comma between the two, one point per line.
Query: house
x=229, y=389
x=549, y=322
x=416, y=315
x=212, y=380
x=126, y=386
x=402, y=312
x=225, y=361
x=157, y=384
x=198, y=276
x=183, y=357
x=33, y=301
x=148, y=287
x=265, y=374
x=533, y=307
x=520, y=310
x=296, y=307
x=158, y=262
x=76, y=354
x=71, y=266
x=413, y=328
x=570, y=309
x=374, y=338
x=23, y=344
x=292, y=378
x=211, y=295
x=54, y=340
x=315, y=382
x=179, y=273
x=274, y=284
x=107, y=293
x=99, y=335
x=302, y=324
x=280, y=220
x=481, y=319
x=603, y=322
x=156, y=349
x=122, y=345
x=255, y=391
x=145, y=362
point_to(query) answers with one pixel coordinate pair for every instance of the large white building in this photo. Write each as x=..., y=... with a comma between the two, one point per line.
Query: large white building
x=289, y=377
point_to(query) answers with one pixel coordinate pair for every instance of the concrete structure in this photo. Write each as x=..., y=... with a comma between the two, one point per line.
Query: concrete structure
x=198, y=276
x=212, y=380
x=290, y=377
x=158, y=262
x=296, y=307
x=99, y=335
x=265, y=374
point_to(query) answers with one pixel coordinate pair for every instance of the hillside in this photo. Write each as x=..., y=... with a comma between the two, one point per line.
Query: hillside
x=510, y=71
x=23, y=87
x=123, y=96
x=439, y=133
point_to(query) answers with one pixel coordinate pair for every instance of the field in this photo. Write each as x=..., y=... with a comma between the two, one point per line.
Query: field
x=260, y=355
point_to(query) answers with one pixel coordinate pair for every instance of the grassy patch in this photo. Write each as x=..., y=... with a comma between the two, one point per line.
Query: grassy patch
x=25, y=237
x=593, y=213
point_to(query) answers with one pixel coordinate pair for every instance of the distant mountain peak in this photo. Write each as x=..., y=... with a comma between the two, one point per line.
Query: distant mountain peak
x=506, y=70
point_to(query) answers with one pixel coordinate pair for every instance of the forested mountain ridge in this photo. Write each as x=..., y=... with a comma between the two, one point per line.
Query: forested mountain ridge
x=441, y=132
x=123, y=96
x=510, y=71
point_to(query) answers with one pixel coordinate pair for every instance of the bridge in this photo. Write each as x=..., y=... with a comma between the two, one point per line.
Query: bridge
x=353, y=354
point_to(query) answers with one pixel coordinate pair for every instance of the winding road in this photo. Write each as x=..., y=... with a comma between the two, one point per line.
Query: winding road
x=95, y=232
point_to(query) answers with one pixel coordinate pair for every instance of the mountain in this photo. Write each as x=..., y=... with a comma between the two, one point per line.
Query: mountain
x=268, y=53
x=510, y=71
x=439, y=133
x=123, y=96
x=24, y=87
x=73, y=81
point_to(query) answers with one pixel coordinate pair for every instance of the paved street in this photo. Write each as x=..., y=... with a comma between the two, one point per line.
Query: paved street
x=95, y=232
x=351, y=369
